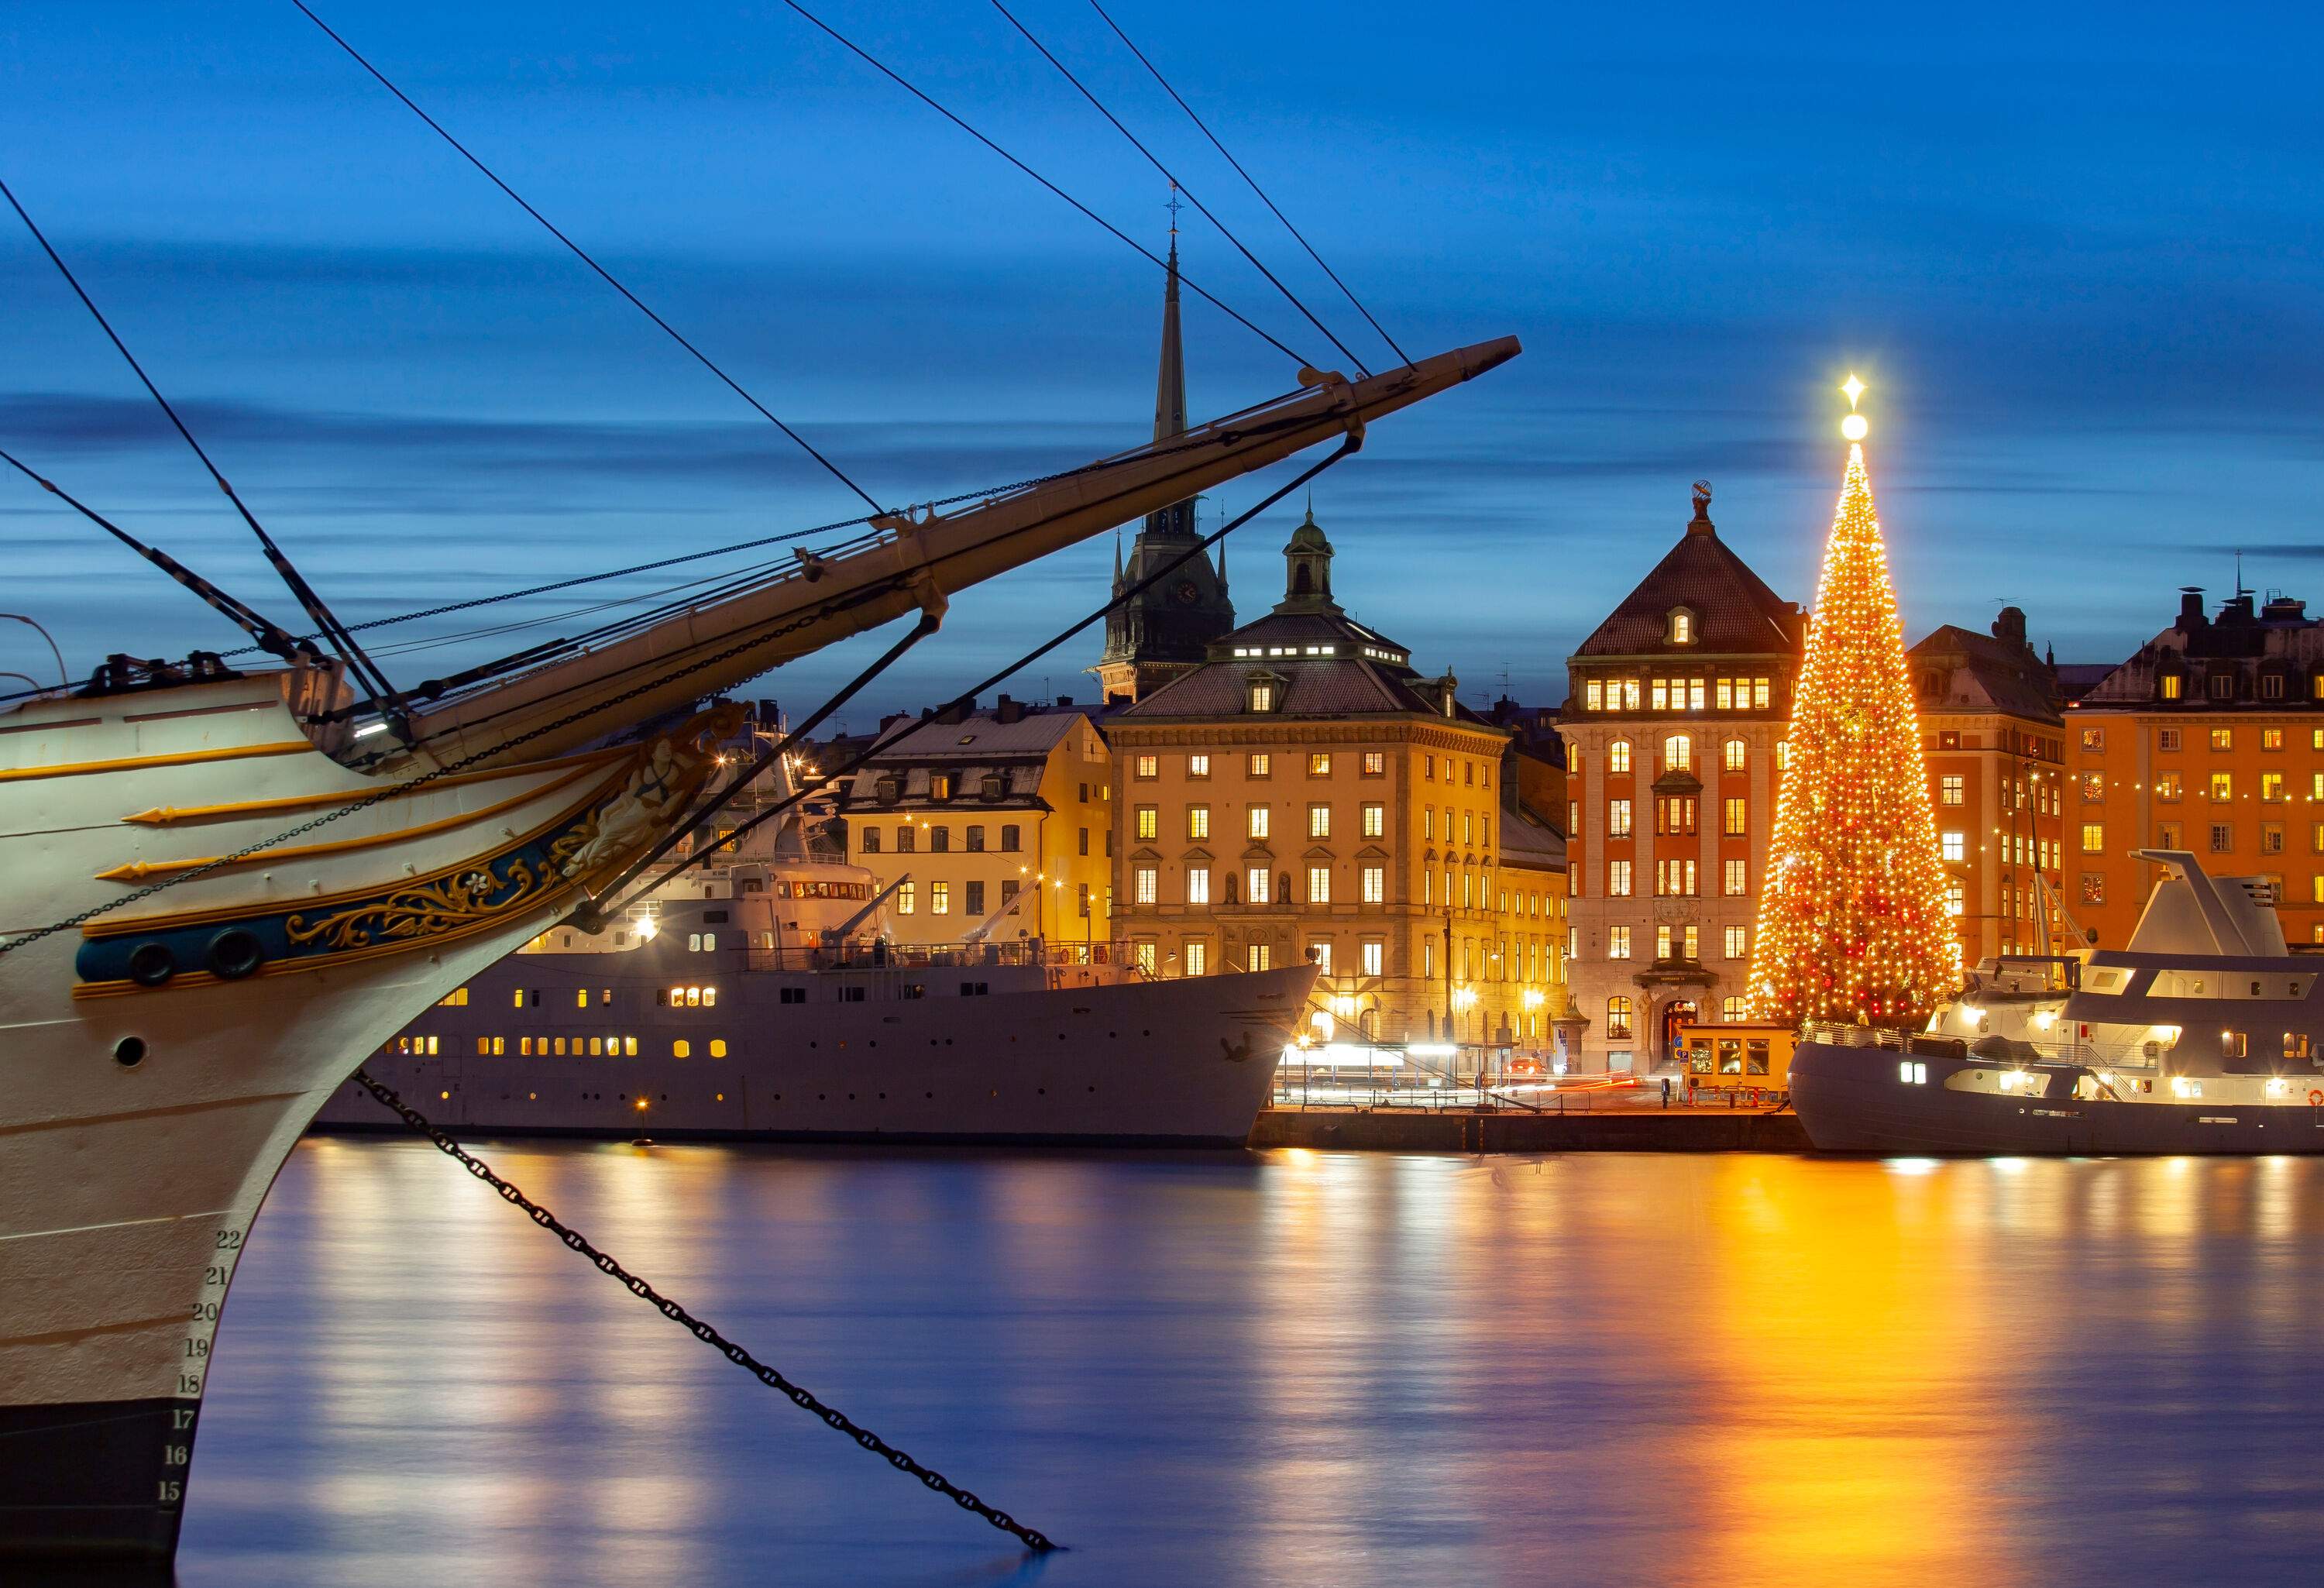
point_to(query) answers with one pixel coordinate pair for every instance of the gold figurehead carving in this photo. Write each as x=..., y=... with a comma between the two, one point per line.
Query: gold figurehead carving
x=665, y=773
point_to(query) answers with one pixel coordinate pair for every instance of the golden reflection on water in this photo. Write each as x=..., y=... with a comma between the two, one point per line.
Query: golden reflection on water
x=1289, y=1368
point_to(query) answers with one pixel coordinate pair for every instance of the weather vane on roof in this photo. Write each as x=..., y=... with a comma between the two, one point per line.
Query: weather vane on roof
x=1174, y=207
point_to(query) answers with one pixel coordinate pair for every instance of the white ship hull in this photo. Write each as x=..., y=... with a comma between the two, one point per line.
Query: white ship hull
x=163, y=1061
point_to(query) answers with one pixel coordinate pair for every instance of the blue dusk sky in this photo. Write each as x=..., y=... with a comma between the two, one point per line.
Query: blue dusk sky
x=2075, y=251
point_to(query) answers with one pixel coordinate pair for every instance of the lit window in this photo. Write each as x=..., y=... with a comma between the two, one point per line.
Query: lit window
x=1737, y=872
x=1375, y=821
x=1255, y=890
x=1735, y=819
x=1952, y=789
x=1258, y=764
x=1148, y=821
x=1148, y=768
x=1262, y=694
x=1956, y=898
x=1678, y=753
x=681, y=1048
x=1731, y=755
x=1257, y=822
x=1375, y=884
x=1376, y=955
x=1319, y=884
x=1319, y=821
x=1198, y=885
x=1739, y=942
x=939, y=898
x=1617, y=1008
x=2175, y=687
x=2271, y=787
x=2223, y=786
x=1198, y=766
x=1682, y=627
x=1144, y=884
x=906, y=900
x=1593, y=696
x=1198, y=959
x=1375, y=763
x=1617, y=818
x=1955, y=845
x=1617, y=756
x=1198, y=821
x=1260, y=957
x=2093, y=837
x=1617, y=879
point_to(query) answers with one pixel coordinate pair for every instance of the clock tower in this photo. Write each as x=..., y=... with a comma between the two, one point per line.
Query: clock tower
x=1166, y=629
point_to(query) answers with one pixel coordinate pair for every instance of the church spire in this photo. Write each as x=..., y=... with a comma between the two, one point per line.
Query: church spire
x=1170, y=379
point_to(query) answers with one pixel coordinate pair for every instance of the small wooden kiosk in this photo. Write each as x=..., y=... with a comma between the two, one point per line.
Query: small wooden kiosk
x=1739, y=1058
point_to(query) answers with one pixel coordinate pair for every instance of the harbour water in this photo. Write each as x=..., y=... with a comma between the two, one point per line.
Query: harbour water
x=1282, y=1368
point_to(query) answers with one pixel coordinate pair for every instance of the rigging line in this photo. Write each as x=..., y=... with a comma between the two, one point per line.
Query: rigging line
x=583, y=256
x=879, y=66
x=318, y=613
x=981, y=493
x=538, y=654
x=270, y=637
x=1255, y=188
x=882, y=741
x=591, y=917
x=1204, y=209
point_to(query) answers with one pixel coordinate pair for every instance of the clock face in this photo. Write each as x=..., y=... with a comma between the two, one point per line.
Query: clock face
x=1187, y=593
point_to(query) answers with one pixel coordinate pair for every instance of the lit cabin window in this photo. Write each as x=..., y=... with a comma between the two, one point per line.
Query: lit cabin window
x=718, y=1047
x=1682, y=626
x=681, y=1048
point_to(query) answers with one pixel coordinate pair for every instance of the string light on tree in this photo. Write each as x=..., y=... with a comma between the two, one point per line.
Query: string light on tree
x=1852, y=919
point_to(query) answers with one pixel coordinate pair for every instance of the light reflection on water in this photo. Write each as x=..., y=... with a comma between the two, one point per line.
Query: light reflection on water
x=1291, y=1368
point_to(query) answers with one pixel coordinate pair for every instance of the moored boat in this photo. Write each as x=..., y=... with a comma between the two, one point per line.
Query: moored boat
x=2205, y=1034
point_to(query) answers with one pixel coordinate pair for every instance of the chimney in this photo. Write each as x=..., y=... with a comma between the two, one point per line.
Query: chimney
x=1065, y=702
x=892, y=718
x=2191, y=608
x=1009, y=711
x=2009, y=628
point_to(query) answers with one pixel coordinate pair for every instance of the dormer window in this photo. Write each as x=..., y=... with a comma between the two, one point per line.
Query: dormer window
x=2174, y=686
x=1263, y=692
x=1682, y=626
x=939, y=785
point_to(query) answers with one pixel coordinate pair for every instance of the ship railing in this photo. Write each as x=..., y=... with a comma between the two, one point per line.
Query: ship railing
x=874, y=956
x=1999, y=1050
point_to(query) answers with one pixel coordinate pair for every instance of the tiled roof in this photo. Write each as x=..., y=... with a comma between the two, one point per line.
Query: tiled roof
x=1529, y=841
x=1036, y=732
x=1979, y=673
x=1315, y=686
x=1735, y=611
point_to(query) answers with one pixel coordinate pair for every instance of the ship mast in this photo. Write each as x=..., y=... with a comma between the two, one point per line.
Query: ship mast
x=907, y=562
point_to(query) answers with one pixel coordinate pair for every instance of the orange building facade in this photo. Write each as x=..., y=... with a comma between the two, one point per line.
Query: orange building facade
x=2209, y=739
x=1994, y=737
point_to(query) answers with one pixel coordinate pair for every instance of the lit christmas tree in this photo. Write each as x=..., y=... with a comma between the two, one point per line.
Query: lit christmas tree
x=1852, y=919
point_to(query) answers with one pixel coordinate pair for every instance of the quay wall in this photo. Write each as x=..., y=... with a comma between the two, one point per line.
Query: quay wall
x=1677, y=1130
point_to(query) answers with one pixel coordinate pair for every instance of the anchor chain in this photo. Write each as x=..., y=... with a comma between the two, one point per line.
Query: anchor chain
x=1033, y=1538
